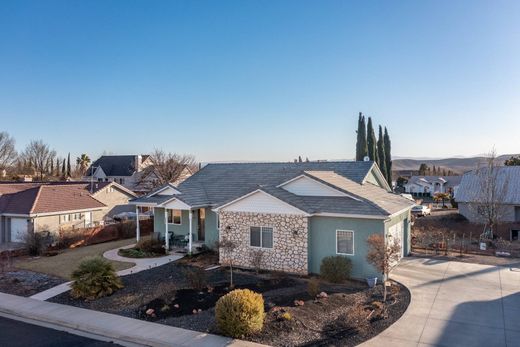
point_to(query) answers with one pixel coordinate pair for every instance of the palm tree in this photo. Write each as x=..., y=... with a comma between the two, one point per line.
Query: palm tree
x=83, y=161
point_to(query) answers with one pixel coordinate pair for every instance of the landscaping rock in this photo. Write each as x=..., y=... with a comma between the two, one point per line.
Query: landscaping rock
x=322, y=295
x=299, y=302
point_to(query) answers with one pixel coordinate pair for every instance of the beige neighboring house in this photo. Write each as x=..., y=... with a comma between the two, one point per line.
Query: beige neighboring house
x=134, y=172
x=127, y=170
x=57, y=206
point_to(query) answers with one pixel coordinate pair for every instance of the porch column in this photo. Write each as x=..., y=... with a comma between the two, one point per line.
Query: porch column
x=166, y=236
x=137, y=228
x=189, y=235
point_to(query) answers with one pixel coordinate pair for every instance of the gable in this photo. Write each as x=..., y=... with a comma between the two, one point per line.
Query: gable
x=168, y=191
x=375, y=177
x=306, y=186
x=261, y=202
x=176, y=204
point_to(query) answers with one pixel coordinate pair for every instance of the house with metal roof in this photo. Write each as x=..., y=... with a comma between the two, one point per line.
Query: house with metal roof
x=500, y=187
x=292, y=214
x=56, y=206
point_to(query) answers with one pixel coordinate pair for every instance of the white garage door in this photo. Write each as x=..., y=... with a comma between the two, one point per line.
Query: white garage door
x=397, y=232
x=19, y=227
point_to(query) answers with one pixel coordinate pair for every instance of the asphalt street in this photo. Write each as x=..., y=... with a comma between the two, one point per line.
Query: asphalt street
x=14, y=333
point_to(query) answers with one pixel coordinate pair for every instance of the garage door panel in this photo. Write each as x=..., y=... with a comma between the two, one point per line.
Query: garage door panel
x=19, y=227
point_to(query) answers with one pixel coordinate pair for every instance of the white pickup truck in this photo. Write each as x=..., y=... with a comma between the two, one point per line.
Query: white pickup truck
x=421, y=210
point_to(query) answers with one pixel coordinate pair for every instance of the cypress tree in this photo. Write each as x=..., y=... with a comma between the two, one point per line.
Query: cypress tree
x=68, y=165
x=57, y=167
x=381, y=153
x=51, y=170
x=388, y=157
x=361, y=143
x=371, y=141
x=63, y=173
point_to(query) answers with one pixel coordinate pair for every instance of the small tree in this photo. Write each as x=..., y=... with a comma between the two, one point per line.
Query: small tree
x=226, y=247
x=383, y=255
x=441, y=197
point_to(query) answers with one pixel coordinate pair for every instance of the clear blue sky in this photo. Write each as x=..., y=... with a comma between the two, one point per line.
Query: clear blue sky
x=260, y=80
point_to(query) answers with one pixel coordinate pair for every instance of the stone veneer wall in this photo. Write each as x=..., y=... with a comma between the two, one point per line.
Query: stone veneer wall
x=289, y=252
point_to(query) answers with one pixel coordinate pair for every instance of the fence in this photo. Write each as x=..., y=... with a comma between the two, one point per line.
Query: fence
x=439, y=243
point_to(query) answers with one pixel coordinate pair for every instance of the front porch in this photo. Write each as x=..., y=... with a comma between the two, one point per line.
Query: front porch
x=182, y=226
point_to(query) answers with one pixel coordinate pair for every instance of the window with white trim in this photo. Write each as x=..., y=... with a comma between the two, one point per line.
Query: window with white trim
x=175, y=217
x=261, y=237
x=345, y=242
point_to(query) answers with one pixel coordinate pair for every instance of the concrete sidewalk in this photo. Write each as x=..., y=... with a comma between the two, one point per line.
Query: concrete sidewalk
x=118, y=328
x=140, y=265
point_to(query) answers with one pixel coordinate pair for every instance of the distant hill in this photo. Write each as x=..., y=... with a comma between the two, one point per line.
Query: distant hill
x=457, y=165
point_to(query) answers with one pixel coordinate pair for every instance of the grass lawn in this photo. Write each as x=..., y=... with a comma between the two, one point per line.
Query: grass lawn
x=64, y=263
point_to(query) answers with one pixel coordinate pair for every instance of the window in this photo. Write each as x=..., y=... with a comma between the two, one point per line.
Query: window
x=65, y=218
x=174, y=216
x=261, y=237
x=121, y=181
x=345, y=242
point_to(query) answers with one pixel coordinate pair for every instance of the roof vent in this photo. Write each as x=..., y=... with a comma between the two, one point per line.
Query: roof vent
x=366, y=158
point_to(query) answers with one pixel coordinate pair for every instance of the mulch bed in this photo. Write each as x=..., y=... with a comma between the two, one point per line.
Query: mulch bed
x=26, y=283
x=339, y=319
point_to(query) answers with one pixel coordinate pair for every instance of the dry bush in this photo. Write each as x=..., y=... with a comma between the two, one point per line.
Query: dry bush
x=313, y=287
x=196, y=278
x=36, y=243
x=6, y=261
x=257, y=256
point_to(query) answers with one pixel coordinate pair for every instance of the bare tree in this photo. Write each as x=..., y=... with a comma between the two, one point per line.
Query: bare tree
x=7, y=150
x=226, y=247
x=490, y=194
x=383, y=255
x=38, y=156
x=167, y=167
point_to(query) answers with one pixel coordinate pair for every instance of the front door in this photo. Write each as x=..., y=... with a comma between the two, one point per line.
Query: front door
x=202, y=224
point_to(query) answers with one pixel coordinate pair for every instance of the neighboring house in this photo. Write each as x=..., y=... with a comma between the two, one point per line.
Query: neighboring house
x=471, y=195
x=126, y=170
x=296, y=214
x=56, y=206
x=431, y=185
x=131, y=171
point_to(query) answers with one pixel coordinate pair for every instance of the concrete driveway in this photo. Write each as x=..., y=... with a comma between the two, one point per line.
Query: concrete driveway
x=456, y=304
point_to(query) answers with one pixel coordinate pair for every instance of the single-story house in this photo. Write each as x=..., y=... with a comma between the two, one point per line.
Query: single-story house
x=55, y=206
x=499, y=187
x=296, y=214
x=431, y=185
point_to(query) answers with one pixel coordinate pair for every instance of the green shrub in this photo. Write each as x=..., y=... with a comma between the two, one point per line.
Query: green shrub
x=94, y=278
x=240, y=312
x=335, y=269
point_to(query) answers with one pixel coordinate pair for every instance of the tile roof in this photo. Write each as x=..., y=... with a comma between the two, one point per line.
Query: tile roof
x=218, y=184
x=116, y=165
x=48, y=197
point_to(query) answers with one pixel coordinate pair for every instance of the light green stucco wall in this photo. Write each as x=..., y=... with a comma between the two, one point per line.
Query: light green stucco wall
x=405, y=216
x=372, y=178
x=322, y=242
x=211, y=228
x=211, y=231
x=182, y=229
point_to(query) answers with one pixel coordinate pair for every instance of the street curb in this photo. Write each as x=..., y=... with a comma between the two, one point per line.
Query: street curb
x=123, y=329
